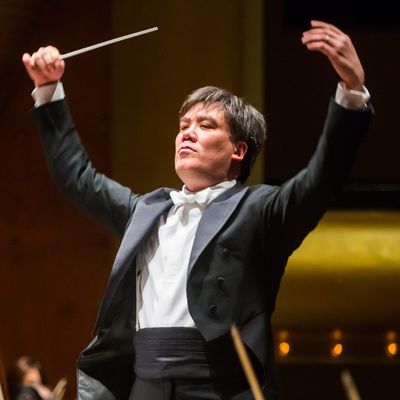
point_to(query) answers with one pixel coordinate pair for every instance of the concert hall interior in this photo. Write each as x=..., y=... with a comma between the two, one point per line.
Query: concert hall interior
x=338, y=308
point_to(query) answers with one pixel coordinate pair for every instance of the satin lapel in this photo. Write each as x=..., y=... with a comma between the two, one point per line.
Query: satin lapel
x=144, y=218
x=147, y=213
x=213, y=219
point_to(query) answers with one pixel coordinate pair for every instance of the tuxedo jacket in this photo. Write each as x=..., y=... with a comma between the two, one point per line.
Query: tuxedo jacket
x=240, y=250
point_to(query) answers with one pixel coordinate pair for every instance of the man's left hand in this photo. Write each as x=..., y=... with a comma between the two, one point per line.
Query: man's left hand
x=339, y=49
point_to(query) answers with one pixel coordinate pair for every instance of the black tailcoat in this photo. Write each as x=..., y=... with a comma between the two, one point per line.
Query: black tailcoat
x=240, y=250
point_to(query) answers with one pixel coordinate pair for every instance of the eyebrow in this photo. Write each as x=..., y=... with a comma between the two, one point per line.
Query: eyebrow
x=200, y=118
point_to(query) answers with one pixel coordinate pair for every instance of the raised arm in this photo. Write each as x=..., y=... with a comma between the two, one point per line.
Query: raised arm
x=299, y=203
x=103, y=199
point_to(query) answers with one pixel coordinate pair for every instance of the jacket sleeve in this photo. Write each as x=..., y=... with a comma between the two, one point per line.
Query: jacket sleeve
x=103, y=199
x=296, y=207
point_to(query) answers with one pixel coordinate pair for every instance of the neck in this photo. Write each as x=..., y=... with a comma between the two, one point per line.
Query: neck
x=195, y=183
x=197, y=187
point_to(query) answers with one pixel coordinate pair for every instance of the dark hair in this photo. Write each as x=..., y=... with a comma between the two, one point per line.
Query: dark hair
x=245, y=122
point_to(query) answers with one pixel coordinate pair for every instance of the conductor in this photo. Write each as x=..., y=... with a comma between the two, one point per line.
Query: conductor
x=193, y=261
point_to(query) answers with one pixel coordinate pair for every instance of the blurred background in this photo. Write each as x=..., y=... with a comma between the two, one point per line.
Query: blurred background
x=339, y=305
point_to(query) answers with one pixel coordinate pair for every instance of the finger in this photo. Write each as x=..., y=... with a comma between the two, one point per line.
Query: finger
x=48, y=58
x=54, y=51
x=321, y=32
x=26, y=59
x=53, y=59
x=324, y=34
x=45, y=62
x=36, y=56
x=37, y=62
x=337, y=59
x=325, y=44
x=341, y=44
x=319, y=45
x=322, y=24
x=48, y=63
x=51, y=54
x=60, y=64
x=321, y=37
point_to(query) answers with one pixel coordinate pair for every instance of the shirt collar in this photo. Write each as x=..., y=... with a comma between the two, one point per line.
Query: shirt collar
x=202, y=197
x=212, y=192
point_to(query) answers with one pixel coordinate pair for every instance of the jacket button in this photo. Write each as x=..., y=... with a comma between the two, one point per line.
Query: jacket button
x=220, y=281
x=212, y=309
x=226, y=252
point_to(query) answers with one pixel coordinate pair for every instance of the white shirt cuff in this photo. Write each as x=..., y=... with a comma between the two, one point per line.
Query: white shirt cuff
x=48, y=93
x=351, y=99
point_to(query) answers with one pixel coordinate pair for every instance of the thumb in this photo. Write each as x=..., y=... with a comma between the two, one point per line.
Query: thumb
x=26, y=60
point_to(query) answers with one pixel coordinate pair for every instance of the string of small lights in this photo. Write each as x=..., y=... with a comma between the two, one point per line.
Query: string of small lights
x=337, y=345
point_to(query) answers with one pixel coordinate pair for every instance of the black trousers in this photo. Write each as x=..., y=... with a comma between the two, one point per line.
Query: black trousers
x=190, y=389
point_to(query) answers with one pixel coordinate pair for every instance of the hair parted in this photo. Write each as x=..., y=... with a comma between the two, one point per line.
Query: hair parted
x=245, y=122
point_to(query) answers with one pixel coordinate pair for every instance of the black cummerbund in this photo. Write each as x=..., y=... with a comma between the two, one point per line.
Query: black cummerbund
x=183, y=353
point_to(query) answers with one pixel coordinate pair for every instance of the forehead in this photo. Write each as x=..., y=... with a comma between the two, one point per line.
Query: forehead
x=204, y=110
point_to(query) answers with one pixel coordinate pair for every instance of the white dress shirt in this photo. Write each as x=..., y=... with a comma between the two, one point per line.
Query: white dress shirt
x=163, y=261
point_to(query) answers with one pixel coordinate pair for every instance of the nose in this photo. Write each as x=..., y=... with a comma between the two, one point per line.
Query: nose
x=189, y=135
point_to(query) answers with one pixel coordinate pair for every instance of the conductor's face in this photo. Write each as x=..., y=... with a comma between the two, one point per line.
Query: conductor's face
x=204, y=151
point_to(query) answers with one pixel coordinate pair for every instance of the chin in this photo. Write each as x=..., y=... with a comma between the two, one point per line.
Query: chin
x=190, y=177
x=186, y=167
x=184, y=174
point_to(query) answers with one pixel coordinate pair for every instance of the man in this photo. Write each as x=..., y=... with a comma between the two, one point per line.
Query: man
x=193, y=262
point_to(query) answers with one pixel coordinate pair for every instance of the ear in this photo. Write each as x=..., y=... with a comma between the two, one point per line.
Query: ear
x=240, y=150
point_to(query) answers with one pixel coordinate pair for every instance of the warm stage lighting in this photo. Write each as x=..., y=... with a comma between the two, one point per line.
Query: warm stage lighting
x=337, y=334
x=336, y=347
x=391, y=349
x=283, y=346
x=337, y=350
x=284, y=349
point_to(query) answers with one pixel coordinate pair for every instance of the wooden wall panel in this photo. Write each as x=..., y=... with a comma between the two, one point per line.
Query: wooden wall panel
x=54, y=262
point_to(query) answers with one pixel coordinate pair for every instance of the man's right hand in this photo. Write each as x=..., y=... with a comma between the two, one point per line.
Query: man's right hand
x=44, y=66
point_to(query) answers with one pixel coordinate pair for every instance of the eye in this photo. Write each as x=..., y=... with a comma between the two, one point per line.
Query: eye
x=206, y=125
x=183, y=127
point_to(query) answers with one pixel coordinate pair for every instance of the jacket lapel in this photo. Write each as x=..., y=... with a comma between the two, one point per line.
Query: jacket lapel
x=145, y=216
x=213, y=219
x=148, y=211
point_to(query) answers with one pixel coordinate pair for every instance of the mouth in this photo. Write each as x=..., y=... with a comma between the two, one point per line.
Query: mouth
x=185, y=147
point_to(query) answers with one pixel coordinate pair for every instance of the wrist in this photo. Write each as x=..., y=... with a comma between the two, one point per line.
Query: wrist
x=351, y=99
x=48, y=93
x=39, y=83
x=357, y=86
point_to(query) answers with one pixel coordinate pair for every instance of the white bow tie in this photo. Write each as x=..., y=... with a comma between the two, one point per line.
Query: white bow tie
x=201, y=198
